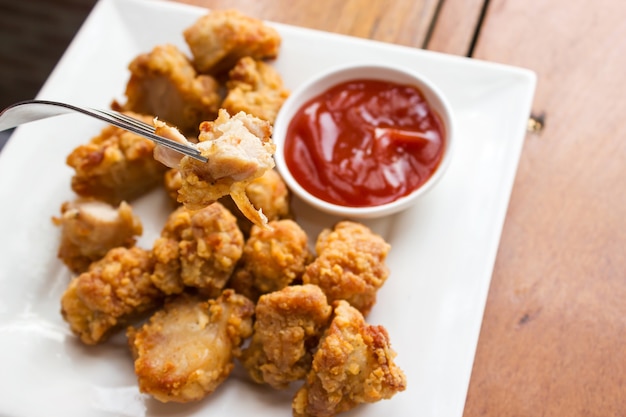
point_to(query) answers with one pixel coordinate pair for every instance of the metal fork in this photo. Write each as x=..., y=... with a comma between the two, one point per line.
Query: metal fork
x=32, y=110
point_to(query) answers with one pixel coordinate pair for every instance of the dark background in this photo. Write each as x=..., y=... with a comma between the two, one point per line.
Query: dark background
x=33, y=36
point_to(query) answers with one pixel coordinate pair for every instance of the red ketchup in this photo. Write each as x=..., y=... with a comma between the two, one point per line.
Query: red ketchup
x=364, y=143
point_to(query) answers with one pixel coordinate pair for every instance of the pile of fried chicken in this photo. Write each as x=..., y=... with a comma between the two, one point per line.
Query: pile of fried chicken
x=232, y=276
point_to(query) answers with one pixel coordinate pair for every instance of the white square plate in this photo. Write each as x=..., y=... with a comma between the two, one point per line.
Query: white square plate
x=441, y=259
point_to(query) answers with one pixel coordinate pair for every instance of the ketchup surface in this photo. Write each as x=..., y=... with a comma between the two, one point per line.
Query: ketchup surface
x=364, y=143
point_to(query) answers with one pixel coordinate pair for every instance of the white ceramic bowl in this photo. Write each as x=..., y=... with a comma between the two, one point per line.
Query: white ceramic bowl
x=328, y=79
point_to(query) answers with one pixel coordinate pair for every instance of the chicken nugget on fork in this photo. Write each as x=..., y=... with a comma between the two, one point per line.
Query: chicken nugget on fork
x=90, y=228
x=238, y=150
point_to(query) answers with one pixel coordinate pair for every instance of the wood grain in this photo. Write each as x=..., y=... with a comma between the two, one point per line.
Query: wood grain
x=402, y=22
x=553, y=340
x=455, y=27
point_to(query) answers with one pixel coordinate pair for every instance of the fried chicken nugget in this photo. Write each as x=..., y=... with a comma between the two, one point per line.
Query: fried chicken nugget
x=256, y=88
x=90, y=228
x=350, y=264
x=272, y=258
x=268, y=193
x=164, y=83
x=353, y=364
x=288, y=326
x=172, y=181
x=187, y=349
x=113, y=291
x=116, y=165
x=198, y=249
x=220, y=38
x=239, y=149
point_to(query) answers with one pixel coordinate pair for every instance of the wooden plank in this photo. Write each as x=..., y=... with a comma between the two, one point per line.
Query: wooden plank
x=456, y=24
x=554, y=333
x=406, y=23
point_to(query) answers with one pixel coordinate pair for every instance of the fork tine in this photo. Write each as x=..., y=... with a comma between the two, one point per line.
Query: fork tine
x=141, y=128
x=128, y=119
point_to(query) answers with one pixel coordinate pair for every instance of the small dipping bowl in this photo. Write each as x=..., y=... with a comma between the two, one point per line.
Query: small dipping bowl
x=334, y=80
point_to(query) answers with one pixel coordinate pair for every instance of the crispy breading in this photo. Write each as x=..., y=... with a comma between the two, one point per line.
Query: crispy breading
x=350, y=264
x=353, y=364
x=220, y=38
x=172, y=181
x=268, y=193
x=239, y=149
x=186, y=350
x=198, y=249
x=115, y=165
x=256, y=88
x=90, y=228
x=113, y=291
x=288, y=326
x=164, y=83
x=273, y=257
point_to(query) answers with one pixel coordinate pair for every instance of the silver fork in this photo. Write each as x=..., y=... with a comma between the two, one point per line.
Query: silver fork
x=32, y=110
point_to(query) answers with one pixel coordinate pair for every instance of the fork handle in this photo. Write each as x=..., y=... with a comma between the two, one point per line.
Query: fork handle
x=14, y=116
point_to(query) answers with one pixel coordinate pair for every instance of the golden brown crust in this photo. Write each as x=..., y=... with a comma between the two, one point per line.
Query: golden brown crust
x=90, y=228
x=115, y=165
x=273, y=258
x=186, y=350
x=198, y=249
x=172, y=183
x=164, y=83
x=239, y=149
x=268, y=193
x=353, y=365
x=115, y=290
x=288, y=325
x=256, y=88
x=220, y=38
x=350, y=264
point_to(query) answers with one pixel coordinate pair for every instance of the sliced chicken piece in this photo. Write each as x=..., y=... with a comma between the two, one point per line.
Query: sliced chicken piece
x=164, y=83
x=90, y=228
x=187, y=349
x=239, y=149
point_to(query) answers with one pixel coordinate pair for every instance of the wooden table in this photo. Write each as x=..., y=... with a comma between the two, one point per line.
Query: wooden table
x=553, y=339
